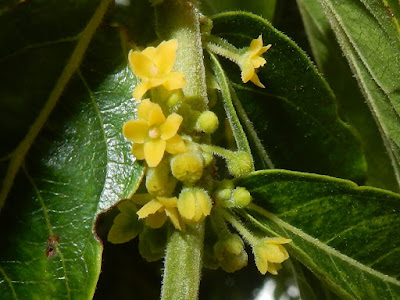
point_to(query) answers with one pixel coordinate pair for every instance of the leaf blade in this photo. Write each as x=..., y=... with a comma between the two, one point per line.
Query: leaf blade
x=362, y=28
x=292, y=109
x=79, y=165
x=322, y=216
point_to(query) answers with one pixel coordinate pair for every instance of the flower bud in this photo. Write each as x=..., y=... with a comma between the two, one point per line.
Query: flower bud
x=188, y=166
x=159, y=181
x=240, y=197
x=207, y=122
x=230, y=253
x=240, y=164
x=194, y=205
x=223, y=192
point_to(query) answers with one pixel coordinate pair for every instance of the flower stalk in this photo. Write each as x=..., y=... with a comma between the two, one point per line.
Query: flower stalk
x=183, y=261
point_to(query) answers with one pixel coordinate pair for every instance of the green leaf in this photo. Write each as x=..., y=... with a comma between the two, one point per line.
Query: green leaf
x=295, y=115
x=348, y=236
x=352, y=106
x=369, y=34
x=79, y=164
x=265, y=8
x=126, y=224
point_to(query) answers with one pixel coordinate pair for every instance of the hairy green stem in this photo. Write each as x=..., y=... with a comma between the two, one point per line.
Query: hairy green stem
x=183, y=263
x=179, y=19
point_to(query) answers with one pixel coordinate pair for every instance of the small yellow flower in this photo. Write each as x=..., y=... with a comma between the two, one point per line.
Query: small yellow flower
x=252, y=60
x=157, y=210
x=194, y=205
x=269, y=254
x=154, y=67
x=153, y=134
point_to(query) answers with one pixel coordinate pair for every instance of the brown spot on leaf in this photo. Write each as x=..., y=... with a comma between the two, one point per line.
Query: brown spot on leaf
x=52, y=242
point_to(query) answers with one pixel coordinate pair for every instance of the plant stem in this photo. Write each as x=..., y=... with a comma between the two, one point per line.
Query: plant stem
x=183, y=263
x=179, y=19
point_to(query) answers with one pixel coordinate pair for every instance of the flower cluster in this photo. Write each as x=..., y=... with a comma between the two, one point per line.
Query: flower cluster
x=173, y=138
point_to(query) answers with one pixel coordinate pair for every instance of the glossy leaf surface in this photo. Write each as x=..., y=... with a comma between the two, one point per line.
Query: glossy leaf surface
x=79, y=164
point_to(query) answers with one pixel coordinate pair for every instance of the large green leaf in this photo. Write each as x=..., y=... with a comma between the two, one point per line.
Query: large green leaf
x=369, y=34
x=347, y=235
x=79, y=163
x=265, y=8
x=295, y=115
x=352, y=106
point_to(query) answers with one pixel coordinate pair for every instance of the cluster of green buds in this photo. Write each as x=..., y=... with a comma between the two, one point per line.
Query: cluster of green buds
x=172, y=136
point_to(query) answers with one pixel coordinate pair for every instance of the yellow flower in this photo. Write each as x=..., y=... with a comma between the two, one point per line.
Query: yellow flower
x=194, y=205
x=154, y=67
x=252, y=60
x=153, y=134
x=269, y=254
x=157, y=210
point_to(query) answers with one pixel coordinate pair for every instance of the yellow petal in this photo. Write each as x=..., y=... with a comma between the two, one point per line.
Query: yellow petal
x=150, y=208
x=273, y=268
x=168, y=202
x=154, y=151
x=173, y=215
x=138, y=151
x=258, y=62
x=255, y=45
x=274, y=253
x=164, y=56
x=174, y=80
x=256, y=81
x=141, y=89
x=187, y=205
x=170, y=127
x=278, y=241
x=156, y=116
x=140, y=64
x=247, y=71
x=175, y=145
x=150, y=52
x=261, y=262
x=264, y=49
x=156, y=220
x=144, y=109
x=136, y=130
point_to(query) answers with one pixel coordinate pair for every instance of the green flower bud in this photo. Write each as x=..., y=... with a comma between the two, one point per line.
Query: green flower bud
x=159, y=181
x=240, y=164
x=188, y=166
x=207, y=122
x=194, y=205
x=240, y=197
x=223, y=192
x=176, y=97
x=230, y=253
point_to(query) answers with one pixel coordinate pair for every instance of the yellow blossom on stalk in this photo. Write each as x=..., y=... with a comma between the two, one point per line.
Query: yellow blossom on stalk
x=252, y=60
x=154, y=67
x=156, y=210
x=269, y=254
x=153, y=134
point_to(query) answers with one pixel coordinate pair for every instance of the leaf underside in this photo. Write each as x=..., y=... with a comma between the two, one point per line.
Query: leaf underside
x=348, y=236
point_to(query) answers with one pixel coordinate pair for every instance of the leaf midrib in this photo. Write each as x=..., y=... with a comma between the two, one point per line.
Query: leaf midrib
x=326, y=248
